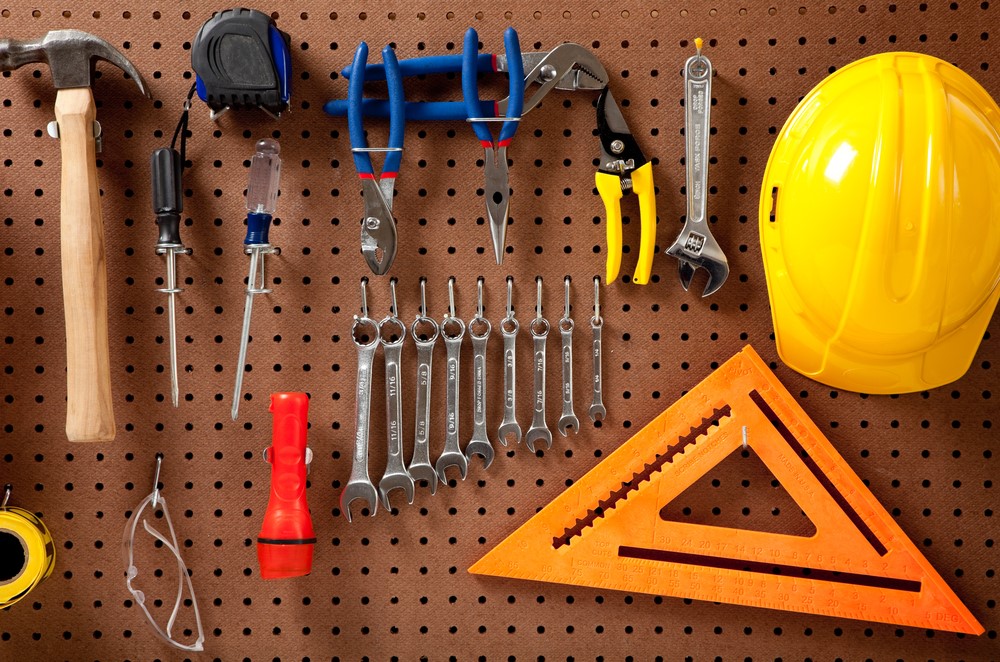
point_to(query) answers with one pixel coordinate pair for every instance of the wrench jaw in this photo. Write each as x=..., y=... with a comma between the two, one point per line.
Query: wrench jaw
x=509, y=433
x=695, y=250
x=567, y=423
x=483, y=449
x=424, y=472
x=451, y=459
x=598, y=412
x=355, y=491
x=390, y=482
x=535, y=434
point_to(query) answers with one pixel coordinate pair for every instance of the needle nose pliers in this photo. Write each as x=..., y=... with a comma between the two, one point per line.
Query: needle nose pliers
x=378, y=228
x=495, y=157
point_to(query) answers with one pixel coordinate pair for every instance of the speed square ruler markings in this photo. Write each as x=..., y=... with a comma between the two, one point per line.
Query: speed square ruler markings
x=605, y=531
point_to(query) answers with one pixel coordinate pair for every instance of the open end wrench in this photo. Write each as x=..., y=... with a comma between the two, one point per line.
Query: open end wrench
x=539, y=328
x=597, y=410
x=479, y=333
x=453, y=330
x=425, y=333
x=365, y=334
x=392, y=334
x=510, y=431
x=568, y=421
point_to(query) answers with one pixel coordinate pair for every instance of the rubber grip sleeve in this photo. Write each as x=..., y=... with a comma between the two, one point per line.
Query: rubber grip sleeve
x=355, y=126
x=426, y=66
x=415, y=111
x=642, y=184
x=610, y=188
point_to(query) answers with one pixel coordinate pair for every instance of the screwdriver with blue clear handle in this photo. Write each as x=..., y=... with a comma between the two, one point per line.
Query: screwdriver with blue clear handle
x=262, y=198
x=165, y=166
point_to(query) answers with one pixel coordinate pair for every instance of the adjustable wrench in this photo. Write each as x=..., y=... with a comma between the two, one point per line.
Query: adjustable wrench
x=479, y=332
x=695, y=246
x=365, y=334
x=597, y=410
x=392, y=334
x=539, y=429
x=509, y=430
x=453, y=330
x=420, y=464
x=568, y=421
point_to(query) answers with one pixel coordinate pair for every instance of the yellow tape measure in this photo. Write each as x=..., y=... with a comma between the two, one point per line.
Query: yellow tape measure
x=27, y=553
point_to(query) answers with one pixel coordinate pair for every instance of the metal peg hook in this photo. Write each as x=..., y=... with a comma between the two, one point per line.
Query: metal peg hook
x=566, y=303
x=745, y=431
x=364, y=297
x=451, y=297
x=597, y=297
x=7, y=489
x=423, y=297
x=538, y=297
x=156, y=480
x=393, y=311
x=510, y=297
x=479, y=297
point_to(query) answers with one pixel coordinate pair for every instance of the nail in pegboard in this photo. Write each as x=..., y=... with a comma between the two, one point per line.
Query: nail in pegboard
x=396, y=585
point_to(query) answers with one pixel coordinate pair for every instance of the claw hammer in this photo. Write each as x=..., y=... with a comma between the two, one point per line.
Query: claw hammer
x=71, y=55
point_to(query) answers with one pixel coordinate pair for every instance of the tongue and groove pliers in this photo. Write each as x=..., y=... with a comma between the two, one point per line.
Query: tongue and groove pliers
x=378, y=228
x=570, y=67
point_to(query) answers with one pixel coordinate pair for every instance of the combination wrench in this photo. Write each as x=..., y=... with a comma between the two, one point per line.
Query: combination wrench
x=479, y=333
x=510, y=431
x=392, y=334
x=453, y=330
x=365, y=334
x=539, y=328
x=568, y=421
x=425, y=333
x=597, y=410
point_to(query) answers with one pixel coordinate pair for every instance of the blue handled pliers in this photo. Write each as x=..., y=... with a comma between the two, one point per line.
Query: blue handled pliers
x=495, y=158
x=378, y=228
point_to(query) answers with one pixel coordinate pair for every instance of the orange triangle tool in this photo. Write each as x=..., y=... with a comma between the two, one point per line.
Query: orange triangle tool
x=606, y=531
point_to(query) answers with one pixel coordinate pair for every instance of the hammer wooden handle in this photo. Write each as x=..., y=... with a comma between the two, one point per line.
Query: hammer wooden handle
x=89, y=412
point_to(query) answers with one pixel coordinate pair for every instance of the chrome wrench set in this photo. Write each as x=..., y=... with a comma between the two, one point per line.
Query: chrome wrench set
x=390, y=334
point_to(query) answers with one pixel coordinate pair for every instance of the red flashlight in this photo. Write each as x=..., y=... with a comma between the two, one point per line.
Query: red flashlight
x=286, y=539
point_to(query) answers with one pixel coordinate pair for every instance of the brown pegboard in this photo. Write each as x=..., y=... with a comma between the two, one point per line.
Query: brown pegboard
x=395, y=585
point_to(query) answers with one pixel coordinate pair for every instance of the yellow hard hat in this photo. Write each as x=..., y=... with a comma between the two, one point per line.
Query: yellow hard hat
x=880, y=225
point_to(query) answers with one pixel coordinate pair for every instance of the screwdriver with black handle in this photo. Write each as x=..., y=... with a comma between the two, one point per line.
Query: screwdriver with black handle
x=168, y=205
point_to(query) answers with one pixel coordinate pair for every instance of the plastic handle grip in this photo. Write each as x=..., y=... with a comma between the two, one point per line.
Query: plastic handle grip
x=355, y=93
x=515, y=102
x=165, y=168
x=610, y=188
x=414, y=111
x=642, y=184
x=397, y=112
x=258, y=227
x=427, y=66
x=470, y=85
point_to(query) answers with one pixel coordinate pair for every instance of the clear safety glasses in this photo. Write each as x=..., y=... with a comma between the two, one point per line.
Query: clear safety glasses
x=144, y=512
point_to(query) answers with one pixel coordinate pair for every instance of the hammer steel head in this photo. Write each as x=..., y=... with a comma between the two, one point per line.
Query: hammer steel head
x=70, y=54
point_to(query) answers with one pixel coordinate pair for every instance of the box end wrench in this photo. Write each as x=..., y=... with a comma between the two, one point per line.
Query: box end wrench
x=365, y=335
x=568, y=421
x=425, y=333
x=479, y=333
x=453, y=330
x=510, y=431
x=539, y=430
x=392, y=335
